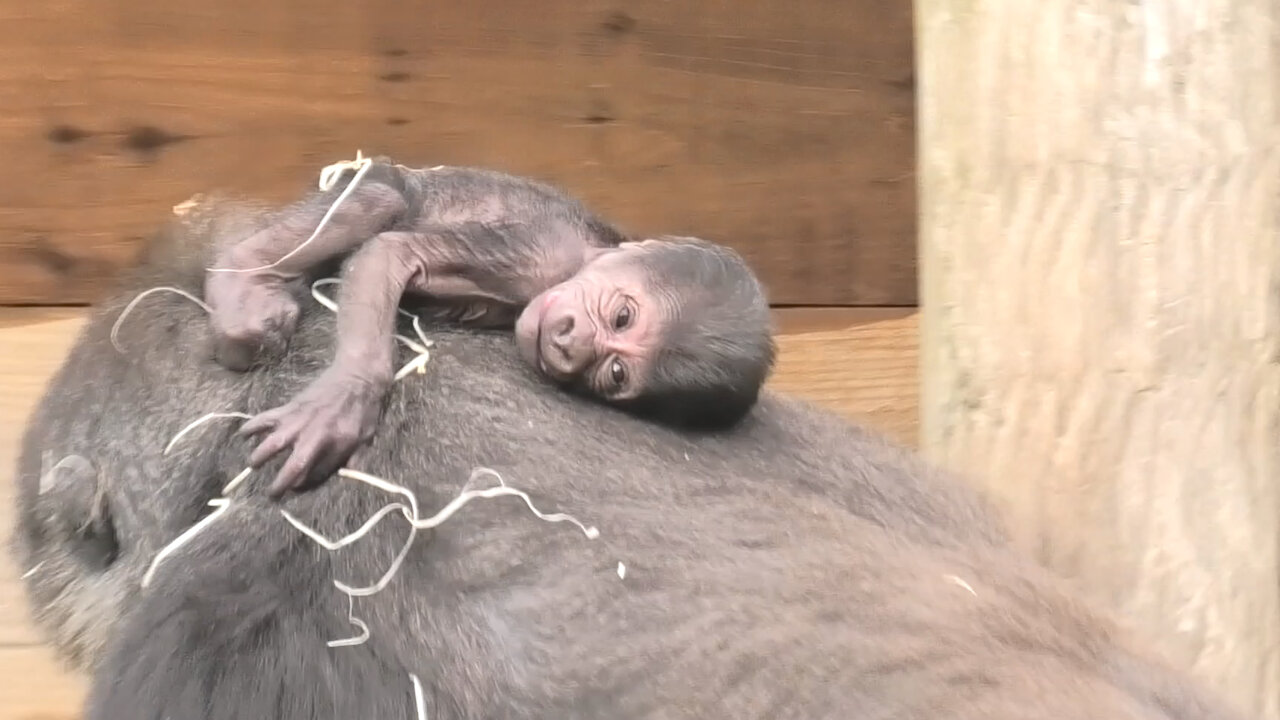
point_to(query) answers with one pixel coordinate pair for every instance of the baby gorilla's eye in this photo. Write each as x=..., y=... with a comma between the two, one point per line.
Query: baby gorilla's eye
x=623, y=318
x=617, y=373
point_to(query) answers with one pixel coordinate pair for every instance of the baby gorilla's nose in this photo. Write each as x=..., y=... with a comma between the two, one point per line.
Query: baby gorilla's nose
x=567, y=352
x=562, y=334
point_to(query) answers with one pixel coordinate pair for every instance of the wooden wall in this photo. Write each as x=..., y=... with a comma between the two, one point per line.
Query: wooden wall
x=781, y=127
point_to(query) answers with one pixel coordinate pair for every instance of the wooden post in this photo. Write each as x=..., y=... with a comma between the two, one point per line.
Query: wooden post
x=1100, y=282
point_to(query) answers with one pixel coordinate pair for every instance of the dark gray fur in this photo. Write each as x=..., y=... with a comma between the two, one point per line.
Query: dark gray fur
x=796, y=567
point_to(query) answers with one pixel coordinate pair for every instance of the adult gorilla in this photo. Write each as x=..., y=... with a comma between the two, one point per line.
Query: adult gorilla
x=796, y=568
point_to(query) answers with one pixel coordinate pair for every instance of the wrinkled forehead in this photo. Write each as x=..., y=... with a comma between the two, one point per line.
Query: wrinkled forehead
x=632, y=267
x=657, y=284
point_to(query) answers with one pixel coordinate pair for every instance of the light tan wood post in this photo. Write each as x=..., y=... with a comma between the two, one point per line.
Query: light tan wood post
x=1100, y=290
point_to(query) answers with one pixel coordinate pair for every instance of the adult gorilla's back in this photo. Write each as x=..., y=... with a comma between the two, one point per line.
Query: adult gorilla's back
x=795, y=568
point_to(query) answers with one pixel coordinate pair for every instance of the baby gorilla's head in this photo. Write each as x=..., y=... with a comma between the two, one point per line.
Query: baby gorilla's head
x=677, y=329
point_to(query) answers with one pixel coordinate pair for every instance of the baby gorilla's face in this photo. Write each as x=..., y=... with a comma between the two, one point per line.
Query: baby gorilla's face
x=599, y=331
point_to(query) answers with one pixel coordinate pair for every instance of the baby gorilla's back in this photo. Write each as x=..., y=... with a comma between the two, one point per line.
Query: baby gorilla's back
x=448, y=195
x=469, y=238
x=677, y=331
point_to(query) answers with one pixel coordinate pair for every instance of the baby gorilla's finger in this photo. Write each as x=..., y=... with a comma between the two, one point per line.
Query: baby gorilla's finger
x=296, y=467
x=324, y=466
x=279, y=487
x=257, y=424
x=287, y=479
x=274, y=443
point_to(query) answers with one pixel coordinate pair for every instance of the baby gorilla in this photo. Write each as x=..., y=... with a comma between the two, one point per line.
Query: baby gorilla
x=674, y=329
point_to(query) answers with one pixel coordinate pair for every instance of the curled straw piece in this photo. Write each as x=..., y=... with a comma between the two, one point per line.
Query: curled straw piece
x=419, y=700
x=220, y=506
x=200, y=421
x=360, y=639
x=115, y=328
x=409, y=511
x=418, y=363
x=416, y=523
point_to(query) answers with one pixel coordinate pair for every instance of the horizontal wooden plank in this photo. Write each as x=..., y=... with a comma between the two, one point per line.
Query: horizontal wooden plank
x=861, y=363
x=784, y=129
x=37, y=687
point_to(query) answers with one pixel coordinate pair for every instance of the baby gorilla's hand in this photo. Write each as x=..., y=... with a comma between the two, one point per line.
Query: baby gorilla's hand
x=324, y=425
x=252, y=318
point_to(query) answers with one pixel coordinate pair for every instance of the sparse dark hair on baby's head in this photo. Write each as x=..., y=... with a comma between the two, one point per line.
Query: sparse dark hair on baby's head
x=719, y=347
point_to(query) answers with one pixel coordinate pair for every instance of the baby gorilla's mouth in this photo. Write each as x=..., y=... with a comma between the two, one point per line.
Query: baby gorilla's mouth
x=546, y=346
x=529, y=327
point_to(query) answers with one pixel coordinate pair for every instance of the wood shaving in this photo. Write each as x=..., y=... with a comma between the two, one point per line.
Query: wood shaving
x=409, y=511
x=360, y=639
x=201, y=421
x=956, y=580
x=235, y=481
x=419, y=699
x=469, y=495
x=421, y=346
x=185, y=206
x=411, y=514
x=220, y=506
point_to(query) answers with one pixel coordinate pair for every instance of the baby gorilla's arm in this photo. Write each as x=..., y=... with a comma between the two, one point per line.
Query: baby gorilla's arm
x=253, y=314
x=503, y=264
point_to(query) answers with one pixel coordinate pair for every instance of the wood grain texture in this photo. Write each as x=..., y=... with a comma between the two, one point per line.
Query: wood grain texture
x=781, y=127
x=1100, y=226
x=37, y=687
x=860, y=362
